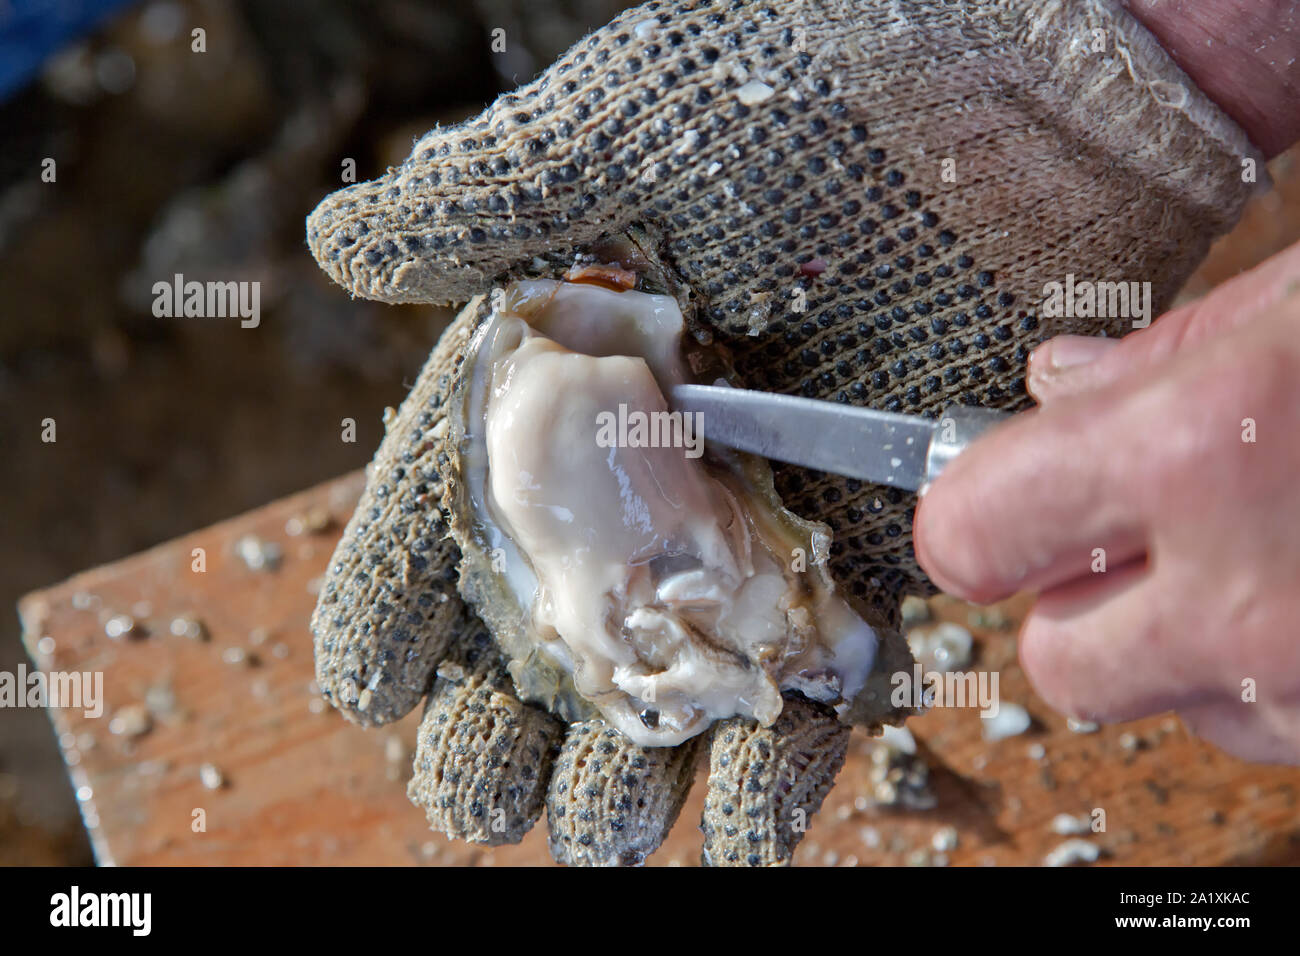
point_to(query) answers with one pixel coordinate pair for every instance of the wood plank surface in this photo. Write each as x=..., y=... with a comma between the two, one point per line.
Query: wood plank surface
x=229, y=723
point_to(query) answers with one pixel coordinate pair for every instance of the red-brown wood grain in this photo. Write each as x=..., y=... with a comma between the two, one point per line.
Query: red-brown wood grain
x=302, y=786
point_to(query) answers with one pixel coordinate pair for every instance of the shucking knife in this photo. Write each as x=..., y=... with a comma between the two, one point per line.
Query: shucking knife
x=889, y=448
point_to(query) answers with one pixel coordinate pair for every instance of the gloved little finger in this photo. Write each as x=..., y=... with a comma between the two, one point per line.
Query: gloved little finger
x=389, y=606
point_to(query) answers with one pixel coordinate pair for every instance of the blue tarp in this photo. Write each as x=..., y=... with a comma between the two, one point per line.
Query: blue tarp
x=32, y=30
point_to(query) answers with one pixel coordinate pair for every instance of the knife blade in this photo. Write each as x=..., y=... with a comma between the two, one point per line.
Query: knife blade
x=889, y=448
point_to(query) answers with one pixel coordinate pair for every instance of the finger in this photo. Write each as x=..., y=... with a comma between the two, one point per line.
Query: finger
x=611, y=802
x=1053, y=363
x=389, y=605
x=1040, y=499
x=483, y=758
x=1101, y=650
x=1097, y=649
x=766, y=783
x=1070, y=365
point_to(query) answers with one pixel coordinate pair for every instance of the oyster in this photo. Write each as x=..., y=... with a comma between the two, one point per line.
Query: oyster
x=626, y=570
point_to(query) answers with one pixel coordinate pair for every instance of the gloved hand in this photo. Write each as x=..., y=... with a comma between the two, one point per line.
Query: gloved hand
x=866, y=202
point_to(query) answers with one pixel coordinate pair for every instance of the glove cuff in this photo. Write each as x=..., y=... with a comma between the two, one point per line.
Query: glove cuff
x=1112, y=86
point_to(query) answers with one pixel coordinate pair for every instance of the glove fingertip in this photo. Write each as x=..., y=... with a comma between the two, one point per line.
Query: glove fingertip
x=765, y=783
x=483, y=758
x=612, y=802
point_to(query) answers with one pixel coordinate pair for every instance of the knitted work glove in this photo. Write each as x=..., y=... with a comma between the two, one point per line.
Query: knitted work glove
x=864, y=202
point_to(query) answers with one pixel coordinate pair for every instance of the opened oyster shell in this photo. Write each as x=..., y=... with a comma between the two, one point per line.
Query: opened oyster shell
x=627, y=571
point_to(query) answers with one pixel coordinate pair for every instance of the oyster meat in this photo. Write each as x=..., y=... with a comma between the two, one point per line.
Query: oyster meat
x=625, y=569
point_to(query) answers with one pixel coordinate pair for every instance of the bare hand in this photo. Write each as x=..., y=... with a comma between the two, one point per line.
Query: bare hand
x=1152, y=500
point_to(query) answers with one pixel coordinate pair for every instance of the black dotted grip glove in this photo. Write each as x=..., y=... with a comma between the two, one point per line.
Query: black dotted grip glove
x=864, y=202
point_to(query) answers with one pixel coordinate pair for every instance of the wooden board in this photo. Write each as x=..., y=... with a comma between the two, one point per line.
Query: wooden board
x=299, y=785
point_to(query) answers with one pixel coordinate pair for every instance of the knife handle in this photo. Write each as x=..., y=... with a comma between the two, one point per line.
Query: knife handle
x=957, y=427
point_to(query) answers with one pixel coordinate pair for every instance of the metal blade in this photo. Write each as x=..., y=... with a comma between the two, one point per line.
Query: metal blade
x=883, y=447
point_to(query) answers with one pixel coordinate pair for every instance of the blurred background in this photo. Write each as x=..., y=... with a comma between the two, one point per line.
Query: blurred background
x=168, y=160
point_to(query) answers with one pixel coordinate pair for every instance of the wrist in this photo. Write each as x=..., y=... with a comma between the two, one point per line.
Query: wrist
x=1243, y=54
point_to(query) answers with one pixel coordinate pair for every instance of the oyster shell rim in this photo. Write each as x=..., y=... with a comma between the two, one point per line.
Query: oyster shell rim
x=537, y=679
